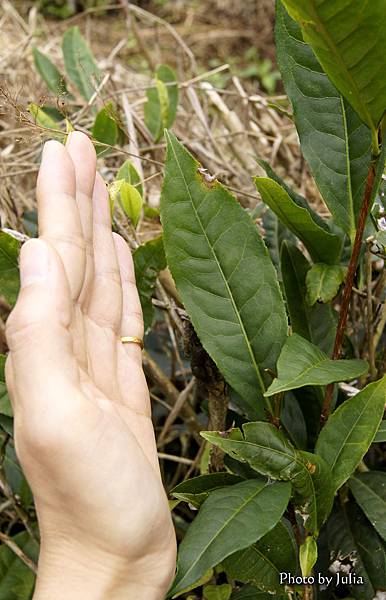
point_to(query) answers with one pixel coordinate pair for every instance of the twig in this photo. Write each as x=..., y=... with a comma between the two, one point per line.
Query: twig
x=350, y=282
x=173, y=415
x=18, y=551
x=178, y=459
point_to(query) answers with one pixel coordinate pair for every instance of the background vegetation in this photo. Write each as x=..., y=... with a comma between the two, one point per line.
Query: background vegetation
x=208, y=70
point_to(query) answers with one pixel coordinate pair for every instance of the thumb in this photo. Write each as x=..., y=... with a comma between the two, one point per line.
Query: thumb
x=37, y=330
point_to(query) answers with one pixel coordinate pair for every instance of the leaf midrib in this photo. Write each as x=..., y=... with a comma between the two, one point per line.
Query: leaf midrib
x=284, y=387
x=299, y=462
x=259, y=377
x=340, y=60
x=352, y=428
x=225, y=524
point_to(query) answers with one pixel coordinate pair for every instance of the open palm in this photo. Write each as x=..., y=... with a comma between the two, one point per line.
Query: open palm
x=83, y=427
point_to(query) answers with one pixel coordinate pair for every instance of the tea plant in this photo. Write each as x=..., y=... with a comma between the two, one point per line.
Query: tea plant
x=291, y=506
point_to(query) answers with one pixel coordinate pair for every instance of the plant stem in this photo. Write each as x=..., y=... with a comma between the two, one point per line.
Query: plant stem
x=370, y=324
x=352, y=267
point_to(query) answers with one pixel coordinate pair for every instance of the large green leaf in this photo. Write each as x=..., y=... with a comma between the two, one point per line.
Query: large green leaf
x=322, y=245
x=80, y=63
x=348, y=40
x=381, y=433
x=16, y=579
x=315, y=323
x=224, y=274
x=334, y=142
x=229, y=520
x=350, y=536
x=270, y=453
x=149, y=260
x=323, y=282
x=349, y=431
x=5, y=406
x=302, y=363
x=9, y=267
x=369, y=490
x=197, y=489
x=49, y=73
x=262, y=563
x=162, y=100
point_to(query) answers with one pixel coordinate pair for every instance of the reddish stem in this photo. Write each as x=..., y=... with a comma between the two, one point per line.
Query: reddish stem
x=352, y=267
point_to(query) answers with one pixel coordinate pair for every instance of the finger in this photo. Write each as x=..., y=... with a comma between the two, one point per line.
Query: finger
x=134, y=389
x=104, y=306
x=83, y=156
x=37, y=331
x=59, y=220
x=105, y=302
x=132, y=319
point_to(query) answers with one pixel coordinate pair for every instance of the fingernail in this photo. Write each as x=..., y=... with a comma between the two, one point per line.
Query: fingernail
x=34, y=257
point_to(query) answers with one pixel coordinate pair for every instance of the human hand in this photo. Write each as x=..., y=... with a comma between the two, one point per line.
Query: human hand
x=83, y=429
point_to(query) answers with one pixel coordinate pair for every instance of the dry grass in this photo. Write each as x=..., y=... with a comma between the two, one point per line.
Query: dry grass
x=224, y=128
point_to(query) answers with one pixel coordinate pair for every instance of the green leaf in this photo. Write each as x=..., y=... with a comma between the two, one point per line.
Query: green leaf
x=322, y=245
x=302, y=363
x=129, y=173
x=5, y=405
x=369, y=490
x=348, y=40
x=79, y=62
x=381, y=433
x=49, y=73
x=15, y=477
x=149, y=260
x=9, y=267
x=336, y=145
x=197, y=489
x=293, y=421
x=274, y=235
x=224, y=275
x=162, y=100
x=351, y=535
x=249, y=592
x=323, y=282
x=204, y=579
x=217, y=592
x=105, y=128
x=297, y=198
x=16, y=579
x=315, y=323
x=270, y=453
x=131, y=202
x=308, y=555
x=229, y=520
x=262, y=563
x=41, y=118
x=349, y=431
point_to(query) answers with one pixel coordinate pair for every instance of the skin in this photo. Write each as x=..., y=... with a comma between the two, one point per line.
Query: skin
x=83, y=429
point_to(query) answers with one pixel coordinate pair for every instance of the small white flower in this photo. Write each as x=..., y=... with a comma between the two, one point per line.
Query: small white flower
x=382, y=223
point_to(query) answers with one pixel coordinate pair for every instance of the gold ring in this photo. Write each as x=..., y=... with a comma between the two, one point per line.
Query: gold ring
x=127, y=339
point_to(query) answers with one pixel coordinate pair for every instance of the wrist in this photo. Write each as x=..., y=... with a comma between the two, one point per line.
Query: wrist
x=77, y=575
